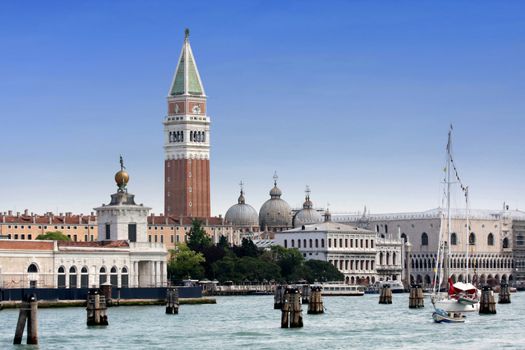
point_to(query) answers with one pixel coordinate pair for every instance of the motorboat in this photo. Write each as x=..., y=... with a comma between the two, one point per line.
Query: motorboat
x=341, y=289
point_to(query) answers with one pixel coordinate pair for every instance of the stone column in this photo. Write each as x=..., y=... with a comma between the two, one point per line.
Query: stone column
x=136, y=274
x=157, y=274
x=151, y=273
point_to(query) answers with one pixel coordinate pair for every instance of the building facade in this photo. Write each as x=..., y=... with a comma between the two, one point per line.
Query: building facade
x=187, y=142
x=361, y=255
x=488, y=246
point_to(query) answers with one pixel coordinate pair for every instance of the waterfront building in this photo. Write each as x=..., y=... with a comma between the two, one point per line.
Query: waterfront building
x=490, y=241
x=187, y=142
x=360, y=254
x=518, y=249
x=275, y=214
x=122, y=255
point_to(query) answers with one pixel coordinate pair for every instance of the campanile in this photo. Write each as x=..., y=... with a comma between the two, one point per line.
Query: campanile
x=187, y=142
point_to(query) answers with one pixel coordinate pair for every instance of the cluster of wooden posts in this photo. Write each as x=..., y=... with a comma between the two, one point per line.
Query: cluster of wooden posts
x=416, y=297
x=288, y=299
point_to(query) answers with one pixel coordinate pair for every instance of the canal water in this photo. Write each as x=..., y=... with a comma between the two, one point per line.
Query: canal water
x=250, y=322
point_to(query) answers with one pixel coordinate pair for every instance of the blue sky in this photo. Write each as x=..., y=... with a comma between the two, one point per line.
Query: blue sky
x=353, y=98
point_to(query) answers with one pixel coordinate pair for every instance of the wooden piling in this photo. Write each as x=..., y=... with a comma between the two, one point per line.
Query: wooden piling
x=385, y=295
x=487, y=304
x=96, y=309
x=278, y=297
x=315, y=305
x=504, y=294
x=106, y=290
x=305, y=293
x=28, y=313
x=172, y=301
x=416, y=298
x=291, y=312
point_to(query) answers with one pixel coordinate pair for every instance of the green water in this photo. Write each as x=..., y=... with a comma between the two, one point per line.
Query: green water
x=251, y=323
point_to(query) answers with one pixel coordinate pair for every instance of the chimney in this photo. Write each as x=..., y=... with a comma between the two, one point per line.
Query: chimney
x=26, y=212
x=10, y=213
x=92, y=213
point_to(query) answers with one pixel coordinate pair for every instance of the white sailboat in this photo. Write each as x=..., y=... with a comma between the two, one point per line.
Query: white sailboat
x=461, y=297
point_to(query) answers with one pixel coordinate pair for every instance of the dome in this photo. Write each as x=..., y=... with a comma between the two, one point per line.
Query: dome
x=308, y=215
x=122, y=178
x=275, y=212
x=242, y=214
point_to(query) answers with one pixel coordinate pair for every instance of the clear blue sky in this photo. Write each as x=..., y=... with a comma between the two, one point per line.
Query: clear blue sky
x=353, y=98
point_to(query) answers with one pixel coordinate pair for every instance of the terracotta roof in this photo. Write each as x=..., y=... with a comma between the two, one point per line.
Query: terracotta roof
x=94, y=244
x=26, y=245
x=49, y=220
x=170, y=220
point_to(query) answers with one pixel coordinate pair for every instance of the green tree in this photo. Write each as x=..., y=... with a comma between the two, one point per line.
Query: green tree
x=321, y=271
x=247, y=248
x=185, y=263
x=290, y=260
x=223, y=242
x=53, y=236
x=198, y=240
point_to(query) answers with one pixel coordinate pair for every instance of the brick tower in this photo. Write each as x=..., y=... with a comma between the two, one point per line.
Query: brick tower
x=187, y=142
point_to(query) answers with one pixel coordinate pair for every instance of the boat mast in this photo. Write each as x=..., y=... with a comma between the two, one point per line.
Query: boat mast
x=449, y=218
x=468, y=230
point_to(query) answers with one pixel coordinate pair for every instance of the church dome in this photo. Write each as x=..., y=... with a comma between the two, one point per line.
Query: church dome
x=308, y=215
x=275, y=212
x=242, y=214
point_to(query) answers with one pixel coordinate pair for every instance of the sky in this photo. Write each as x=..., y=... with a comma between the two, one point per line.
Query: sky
x=353, y=98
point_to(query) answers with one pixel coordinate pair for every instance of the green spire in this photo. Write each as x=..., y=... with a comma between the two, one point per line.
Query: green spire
x=187, y=80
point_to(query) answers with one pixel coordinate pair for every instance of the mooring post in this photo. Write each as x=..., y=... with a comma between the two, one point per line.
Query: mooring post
x=416, y=298
x=172, y=301
x=106, y=289
x=504, y=294
x=96, y=309
x=385, y=295
x=278, y=298
x=32, y=324
x=20, y=325
x=487, y=304
x=305, y=293
x=285, y=309
x=296, y=313
x=315, y=305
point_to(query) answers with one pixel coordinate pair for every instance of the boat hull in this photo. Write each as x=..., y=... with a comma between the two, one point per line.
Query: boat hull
x=452, y=305
x=441, y=317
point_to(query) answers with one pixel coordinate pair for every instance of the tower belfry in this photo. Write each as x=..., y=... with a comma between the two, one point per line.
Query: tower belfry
x=187, y=141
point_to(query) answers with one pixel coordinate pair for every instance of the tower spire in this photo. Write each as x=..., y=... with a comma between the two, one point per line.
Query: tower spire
x=187, y=80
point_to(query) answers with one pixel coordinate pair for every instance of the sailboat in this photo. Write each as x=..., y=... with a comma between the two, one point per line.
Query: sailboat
x=460, y=297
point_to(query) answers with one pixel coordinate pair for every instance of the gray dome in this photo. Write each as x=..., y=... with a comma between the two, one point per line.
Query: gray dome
x=308, y=215
x=275, y=212
x=242, y=214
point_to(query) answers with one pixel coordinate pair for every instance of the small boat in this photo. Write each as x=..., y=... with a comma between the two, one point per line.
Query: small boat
x=341, y=289
x=441, y=316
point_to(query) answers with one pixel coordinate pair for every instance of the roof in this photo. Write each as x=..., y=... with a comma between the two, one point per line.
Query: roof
x=457, y=213
x=26, y=245
x=94, y=244
x=187, y=80
x=329, y=226
x=49, y=219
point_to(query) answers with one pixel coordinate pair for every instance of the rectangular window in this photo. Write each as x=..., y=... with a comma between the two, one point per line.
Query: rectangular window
x=16, y=236
x=132, y=232
x=108, y=231
x=156, y=239
x=23, y=236
x=85, y=238
x=171, y=238
x=92, y=238
x=29, y=236
x=161, y=239
x=178, y=239
x=329, y=243
x=149, y=238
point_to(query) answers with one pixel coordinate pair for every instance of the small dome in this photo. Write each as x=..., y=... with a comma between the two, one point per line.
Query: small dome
x=275, y=212
x=242, y=214
x=122, y=178
x=308, y=215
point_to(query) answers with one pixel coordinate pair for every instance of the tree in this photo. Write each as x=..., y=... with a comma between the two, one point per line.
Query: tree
x=198, y=240
x=247, y=248
x=185, y=263
x=289, y=260
x=53, y=236
x=321, y=271
x=223, y=242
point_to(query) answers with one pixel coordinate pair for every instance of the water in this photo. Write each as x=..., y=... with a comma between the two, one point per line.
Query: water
x=251, y=323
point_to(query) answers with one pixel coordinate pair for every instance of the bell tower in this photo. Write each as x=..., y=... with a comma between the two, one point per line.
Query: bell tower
x=187, y=142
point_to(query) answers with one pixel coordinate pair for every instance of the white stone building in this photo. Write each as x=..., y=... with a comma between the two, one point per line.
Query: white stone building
x=122, y=255
x=490, y=242
x=360, y=254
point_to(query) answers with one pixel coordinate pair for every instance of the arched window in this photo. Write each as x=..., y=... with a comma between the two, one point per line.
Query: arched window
x=386, y=228
x=84, y=278
x=72, y=277
x=310, y=243
x=322, y=242
x=285, y=243
x=490, y=239
x=505, y=242
x=298, y=243
x=32, y=268
x=472, y=238
x=114, y=276
x=102, y=278
x=61, y=277
x=394, y=262
x=424, y=238
x=124, y=280
x=381, y=258
x=316, y=243
x=387, y=258
x=453, y=239
x=519, y=240
x=404, y=237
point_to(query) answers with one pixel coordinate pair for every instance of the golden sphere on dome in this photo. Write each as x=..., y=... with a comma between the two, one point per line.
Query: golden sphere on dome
x=122, y=178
